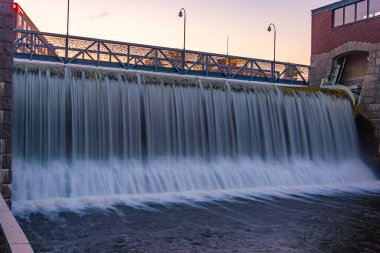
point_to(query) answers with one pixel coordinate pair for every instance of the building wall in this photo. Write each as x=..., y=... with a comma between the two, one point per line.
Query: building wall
x=329, y=42
x=6, y=69
x=21, y=20
x=325, y=37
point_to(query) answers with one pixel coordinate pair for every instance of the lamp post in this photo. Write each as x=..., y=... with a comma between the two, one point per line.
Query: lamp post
x=274, y=51
x=181, y=13
x=228, y=40
x=67, y=31
x=68, y=18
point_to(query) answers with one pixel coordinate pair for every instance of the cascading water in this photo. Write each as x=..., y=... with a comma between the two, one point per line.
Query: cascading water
x=90, y=133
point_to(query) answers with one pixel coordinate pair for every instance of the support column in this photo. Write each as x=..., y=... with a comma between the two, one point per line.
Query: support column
x=6, y=69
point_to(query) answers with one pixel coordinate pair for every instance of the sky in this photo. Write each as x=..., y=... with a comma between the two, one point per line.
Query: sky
x=209, y=22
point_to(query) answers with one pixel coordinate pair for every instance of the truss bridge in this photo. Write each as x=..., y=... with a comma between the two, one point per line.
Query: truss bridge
x=41, y=46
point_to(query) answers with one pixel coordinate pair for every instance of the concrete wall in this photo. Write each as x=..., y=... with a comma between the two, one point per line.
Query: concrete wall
x=325, y=37
x=6, y=69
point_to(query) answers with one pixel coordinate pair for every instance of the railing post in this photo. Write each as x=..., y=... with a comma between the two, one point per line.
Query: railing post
x=183, y=61
x=23, y=45
x=251, y=70
x=98, y=54
x=206, y=65
x=109, y=53
x=292, y=73
x=128, y=55
x=229, y=67
x=67, y=49
x=31, y=46
x=203, y=64
x=156, y=59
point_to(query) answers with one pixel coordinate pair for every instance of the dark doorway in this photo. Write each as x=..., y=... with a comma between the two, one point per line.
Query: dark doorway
x=350, y=70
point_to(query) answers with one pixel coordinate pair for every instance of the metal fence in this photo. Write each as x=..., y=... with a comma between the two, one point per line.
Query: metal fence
x=88, y=51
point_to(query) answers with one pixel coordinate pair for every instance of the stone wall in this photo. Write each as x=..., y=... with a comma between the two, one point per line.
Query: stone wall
x=369, y=105
x=321, y=64
x=6, y=69
x=368, y=110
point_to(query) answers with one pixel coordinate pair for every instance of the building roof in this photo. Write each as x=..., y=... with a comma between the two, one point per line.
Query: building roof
x=333, y=6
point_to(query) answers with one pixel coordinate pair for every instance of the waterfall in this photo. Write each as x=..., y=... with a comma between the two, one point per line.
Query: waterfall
x=85, y=132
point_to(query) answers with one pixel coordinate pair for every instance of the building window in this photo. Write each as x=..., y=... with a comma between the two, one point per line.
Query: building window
x=356, y=12
x=338, y=17
x=361, y=10
x=374, y=8
x=349, y=14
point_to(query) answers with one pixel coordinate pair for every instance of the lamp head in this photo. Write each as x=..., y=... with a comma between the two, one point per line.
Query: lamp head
x=180, y=14
x=269, y=28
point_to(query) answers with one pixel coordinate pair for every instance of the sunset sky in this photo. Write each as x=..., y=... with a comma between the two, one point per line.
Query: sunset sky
x=156, y=22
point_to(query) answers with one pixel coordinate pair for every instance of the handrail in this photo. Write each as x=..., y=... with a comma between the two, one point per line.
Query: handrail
x=35, y=45
x=13, y=235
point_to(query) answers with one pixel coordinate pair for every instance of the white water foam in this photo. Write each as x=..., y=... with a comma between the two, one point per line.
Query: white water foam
x=100, y=185
x=89, y=178
x=52, y=207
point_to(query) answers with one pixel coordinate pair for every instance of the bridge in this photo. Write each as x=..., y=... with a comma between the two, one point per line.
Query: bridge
x=42, y=46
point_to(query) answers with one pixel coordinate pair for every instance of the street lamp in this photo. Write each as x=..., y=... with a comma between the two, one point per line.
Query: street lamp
x=67, y=30
x=181, y=13
x=228, y=40
x=274, y=45
x=68, y=18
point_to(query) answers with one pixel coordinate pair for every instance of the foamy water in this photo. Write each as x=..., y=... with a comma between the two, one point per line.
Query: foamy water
x=193, y=198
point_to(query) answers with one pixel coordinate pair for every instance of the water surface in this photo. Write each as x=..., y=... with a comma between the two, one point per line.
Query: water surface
x=331, y=221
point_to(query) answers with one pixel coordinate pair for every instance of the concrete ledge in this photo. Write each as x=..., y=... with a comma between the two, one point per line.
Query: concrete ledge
x=13, y=235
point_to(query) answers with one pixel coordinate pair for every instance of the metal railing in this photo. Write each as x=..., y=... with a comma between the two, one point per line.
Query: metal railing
x=88, y=51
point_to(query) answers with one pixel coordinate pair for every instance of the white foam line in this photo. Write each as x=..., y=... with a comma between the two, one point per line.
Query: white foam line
x=194, y=198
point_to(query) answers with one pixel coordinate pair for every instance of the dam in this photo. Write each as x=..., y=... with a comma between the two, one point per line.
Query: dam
x=87, y=132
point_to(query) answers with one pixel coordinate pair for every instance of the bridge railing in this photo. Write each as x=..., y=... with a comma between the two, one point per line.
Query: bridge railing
x=88, y=51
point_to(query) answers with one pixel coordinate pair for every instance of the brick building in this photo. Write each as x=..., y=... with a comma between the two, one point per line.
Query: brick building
x=12, y=16
x=345, y=49
x=21, y=20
